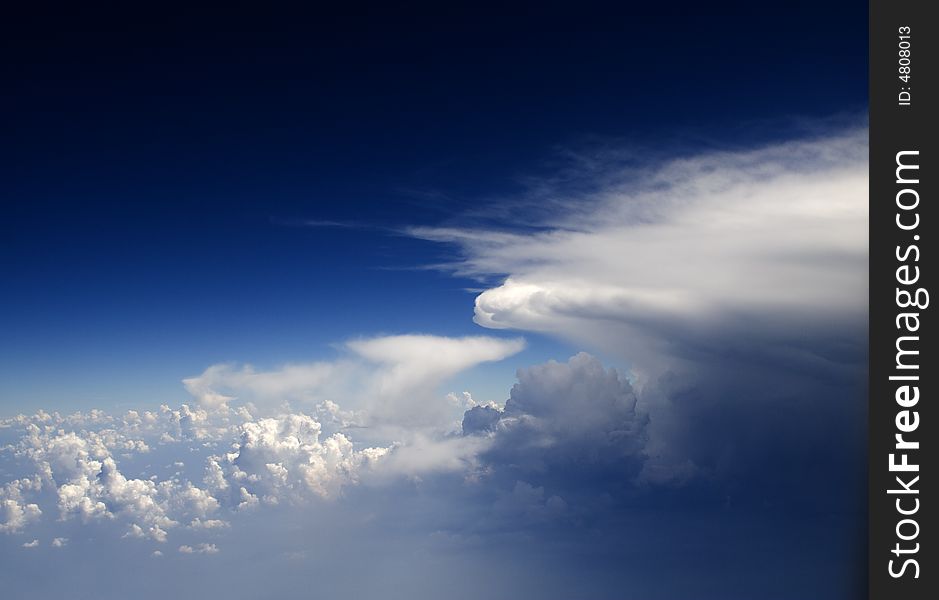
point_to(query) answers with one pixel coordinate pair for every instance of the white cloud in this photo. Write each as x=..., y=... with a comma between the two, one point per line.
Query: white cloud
x=270, y=460
x=390, y=380
x=411, y=367
x=16, y=513
x=198, y=523
x=250, y=462
x=283, y=458
x=415, y=360
x=199, y=549
x=32, y=544
x=663, y=261
x=423, y=454
x=286, y=458
x=288, y=382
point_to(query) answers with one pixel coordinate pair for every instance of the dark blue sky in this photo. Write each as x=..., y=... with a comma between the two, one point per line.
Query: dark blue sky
x=154, y=168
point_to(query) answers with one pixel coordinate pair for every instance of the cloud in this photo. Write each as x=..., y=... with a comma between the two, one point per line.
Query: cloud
x=412, y=365
x=552, y=480
x=16, y=512
x=572, y=427
x=659, y=263
x=283, y=458
x=73, y=464
x=422, y=454
x=527, y=504
x=98, y=469
x=733, y=287
x=284, y=384
x=416, y=359
x=199, y=549
x=387, y=380
x=198, y=523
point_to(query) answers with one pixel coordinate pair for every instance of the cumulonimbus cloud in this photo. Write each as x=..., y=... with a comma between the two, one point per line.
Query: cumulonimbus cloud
x=731, y=284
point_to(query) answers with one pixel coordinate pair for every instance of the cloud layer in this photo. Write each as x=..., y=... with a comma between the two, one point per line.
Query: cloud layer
x=732, y=284
x=75, y=465
x=250, y=457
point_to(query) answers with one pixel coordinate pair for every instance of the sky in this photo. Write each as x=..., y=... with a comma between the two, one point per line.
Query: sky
x=557, y=302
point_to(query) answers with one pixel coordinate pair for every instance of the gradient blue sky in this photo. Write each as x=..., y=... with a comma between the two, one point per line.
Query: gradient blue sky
x=154, y=175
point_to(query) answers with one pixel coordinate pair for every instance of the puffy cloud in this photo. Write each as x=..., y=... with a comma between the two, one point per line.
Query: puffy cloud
x=573, y=400
x=88, y=483
x=16, y=512
x=572, y=424
x=78, y=466
x=283, y=458
x=198, y=523
x=199, y=549
x=270, y=460
x=559, y=416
